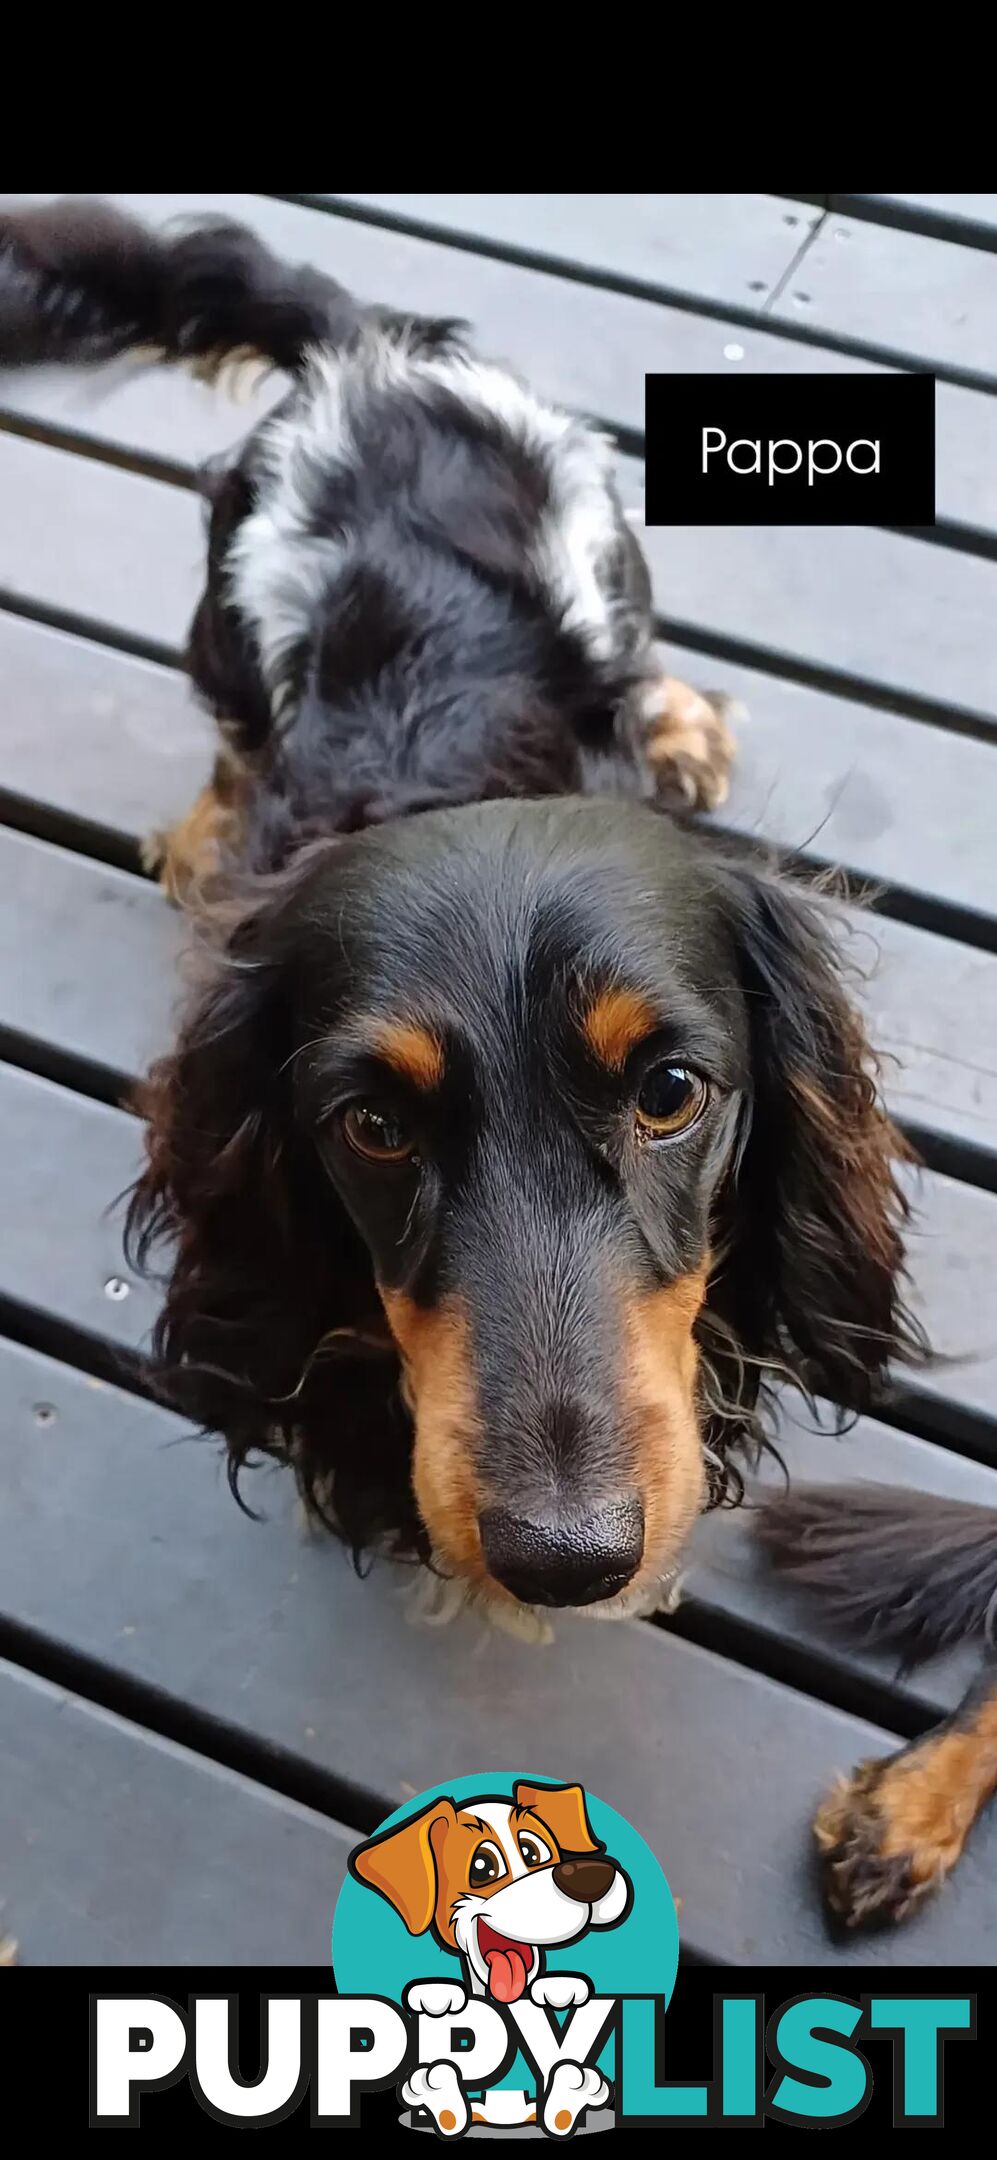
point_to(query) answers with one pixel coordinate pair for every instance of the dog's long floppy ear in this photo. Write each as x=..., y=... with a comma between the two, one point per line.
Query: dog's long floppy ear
x=401, y=1866
x=813, y=1279
x=265, y=1334
x=563, y=1807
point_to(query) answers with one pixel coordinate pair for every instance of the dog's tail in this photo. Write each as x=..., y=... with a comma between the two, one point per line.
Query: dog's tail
x=908, y=1571
x=81, y=282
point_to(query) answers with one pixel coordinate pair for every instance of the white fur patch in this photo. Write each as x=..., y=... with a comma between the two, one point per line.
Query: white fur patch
x=581, y=523
x=280, y=572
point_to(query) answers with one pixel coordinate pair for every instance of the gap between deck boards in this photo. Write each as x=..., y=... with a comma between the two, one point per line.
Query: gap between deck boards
x=792, y=1665
x=689, y=303
x=666, y=294
x=154, y=1710
x=950, y=532
x=821, y=675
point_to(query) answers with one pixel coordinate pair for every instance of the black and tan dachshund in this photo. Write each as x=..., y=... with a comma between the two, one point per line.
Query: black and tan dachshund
x=519, y=1139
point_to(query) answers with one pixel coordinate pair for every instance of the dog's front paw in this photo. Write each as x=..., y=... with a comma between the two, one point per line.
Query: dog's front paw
x=437, y=2087
x=888, y=1836
x=436, y=1998
x=689, y=743
x=572, y=2088
x=560, y=1991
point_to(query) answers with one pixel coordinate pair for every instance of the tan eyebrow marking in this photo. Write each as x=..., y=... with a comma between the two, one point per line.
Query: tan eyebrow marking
x=615, y=1023
x=412, y=1050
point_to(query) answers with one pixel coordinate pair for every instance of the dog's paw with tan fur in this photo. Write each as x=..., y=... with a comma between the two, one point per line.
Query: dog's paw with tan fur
x=888, y=1836
x=689, y=743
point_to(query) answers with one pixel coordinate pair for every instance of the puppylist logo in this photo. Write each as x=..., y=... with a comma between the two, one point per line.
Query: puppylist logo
x=505, y=1950
x=510, y=1916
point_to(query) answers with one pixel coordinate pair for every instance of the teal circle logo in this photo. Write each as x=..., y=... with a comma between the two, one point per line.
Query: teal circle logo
x=374, y=1952
x=516, y=1893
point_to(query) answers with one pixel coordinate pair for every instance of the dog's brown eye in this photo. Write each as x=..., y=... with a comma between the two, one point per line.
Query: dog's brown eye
x=378, y=1135
x=670, y=1100
x=487, y=1865
x=534, y=1851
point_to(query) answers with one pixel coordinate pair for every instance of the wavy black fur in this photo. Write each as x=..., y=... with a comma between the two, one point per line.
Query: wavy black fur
x=907, y=1571
x=80, y=282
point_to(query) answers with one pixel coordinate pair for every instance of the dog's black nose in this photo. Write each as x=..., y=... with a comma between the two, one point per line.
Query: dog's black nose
x=566, y=1561
x=587, y=1880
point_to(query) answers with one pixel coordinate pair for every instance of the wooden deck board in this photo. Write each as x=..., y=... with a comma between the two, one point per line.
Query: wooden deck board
x=134, y=414
x=98, y=742
x=157, y=1574
x=119, y=1848
x=928, y=301
x=850, y=784
x=734, y=250
x=66, y=1161
x=969, y=218
x=88, y=956
x=909, y=620
x=87, y=541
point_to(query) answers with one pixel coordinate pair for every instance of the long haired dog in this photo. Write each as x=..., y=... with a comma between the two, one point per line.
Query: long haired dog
x=509, y=1149
x=914, y=1574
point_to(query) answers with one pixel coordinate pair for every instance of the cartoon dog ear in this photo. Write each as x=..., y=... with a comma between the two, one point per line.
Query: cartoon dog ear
x=401, y=1866
x=563, y=1807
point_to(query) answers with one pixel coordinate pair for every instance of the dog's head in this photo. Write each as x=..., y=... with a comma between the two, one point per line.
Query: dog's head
x=505, y=1151
x=498, y=1881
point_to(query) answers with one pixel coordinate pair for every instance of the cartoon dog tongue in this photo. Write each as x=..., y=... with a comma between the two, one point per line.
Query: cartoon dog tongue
x=508, y=1963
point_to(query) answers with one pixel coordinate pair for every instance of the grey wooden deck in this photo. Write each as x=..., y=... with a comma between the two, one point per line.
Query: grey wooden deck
x=198, y=1712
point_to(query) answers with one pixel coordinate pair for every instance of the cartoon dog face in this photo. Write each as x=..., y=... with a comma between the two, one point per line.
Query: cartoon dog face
x=496, y=1881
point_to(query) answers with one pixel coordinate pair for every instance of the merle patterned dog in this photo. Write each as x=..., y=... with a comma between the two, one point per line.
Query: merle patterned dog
x=518, y=1138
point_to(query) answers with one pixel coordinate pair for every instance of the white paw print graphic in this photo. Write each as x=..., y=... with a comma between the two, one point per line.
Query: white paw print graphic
x=436, y=1998
x=437, y=2087
x=560, y=1991
x=572, y=2088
